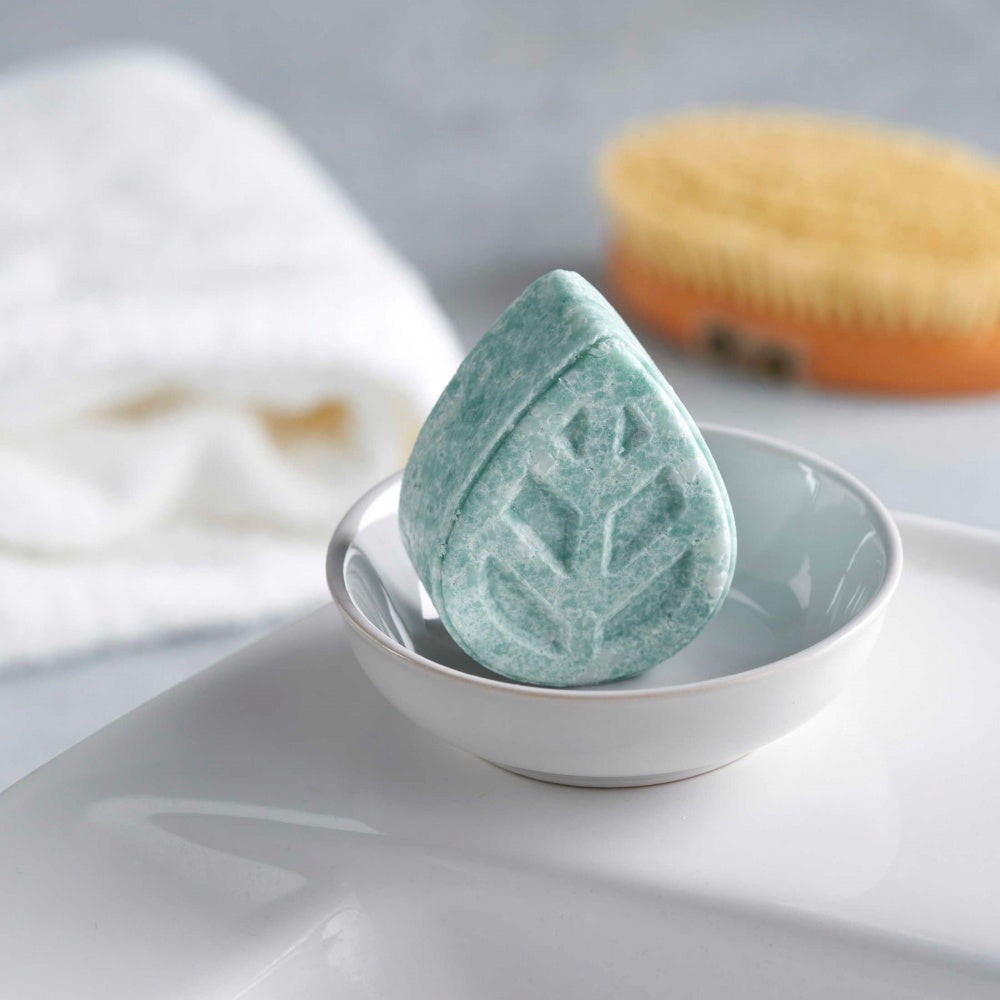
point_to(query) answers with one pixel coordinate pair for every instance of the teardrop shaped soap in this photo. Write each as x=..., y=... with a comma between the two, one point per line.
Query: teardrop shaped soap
x=560, y=506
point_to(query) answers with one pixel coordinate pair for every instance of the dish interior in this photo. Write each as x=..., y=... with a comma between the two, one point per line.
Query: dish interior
x=812, y=553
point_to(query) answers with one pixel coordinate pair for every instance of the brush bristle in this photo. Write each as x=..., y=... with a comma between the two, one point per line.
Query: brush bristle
x=841, y=222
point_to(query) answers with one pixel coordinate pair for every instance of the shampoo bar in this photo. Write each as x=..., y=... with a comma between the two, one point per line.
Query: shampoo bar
x=560, y=506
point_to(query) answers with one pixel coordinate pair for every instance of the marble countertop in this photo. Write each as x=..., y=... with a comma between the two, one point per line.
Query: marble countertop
x=467, y=133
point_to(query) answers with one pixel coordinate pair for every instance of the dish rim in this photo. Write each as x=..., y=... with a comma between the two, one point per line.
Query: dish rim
x=346, y=531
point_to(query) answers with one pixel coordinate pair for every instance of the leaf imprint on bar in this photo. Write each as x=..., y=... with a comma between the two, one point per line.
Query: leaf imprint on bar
x=586, y=549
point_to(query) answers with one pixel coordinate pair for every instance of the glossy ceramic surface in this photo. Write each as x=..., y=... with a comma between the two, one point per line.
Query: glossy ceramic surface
x=273, y=829
x=818, y=560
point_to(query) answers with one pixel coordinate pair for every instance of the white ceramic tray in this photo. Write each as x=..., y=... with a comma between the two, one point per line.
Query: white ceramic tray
x=274, y=829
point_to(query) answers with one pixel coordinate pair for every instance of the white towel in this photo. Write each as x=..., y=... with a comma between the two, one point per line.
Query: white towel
x=205, y=355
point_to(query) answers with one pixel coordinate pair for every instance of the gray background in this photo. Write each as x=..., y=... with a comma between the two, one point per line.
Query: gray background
x=467, y=130
x=467, y=133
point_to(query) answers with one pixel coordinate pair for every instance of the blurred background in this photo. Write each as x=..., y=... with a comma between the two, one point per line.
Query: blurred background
x=467, y=134
x=467, y=131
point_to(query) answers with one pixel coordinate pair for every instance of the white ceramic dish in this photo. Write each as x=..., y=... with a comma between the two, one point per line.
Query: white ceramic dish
x=819, y=559
x=273, y=829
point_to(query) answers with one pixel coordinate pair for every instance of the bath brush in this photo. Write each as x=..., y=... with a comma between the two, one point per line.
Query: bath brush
x=801, y=246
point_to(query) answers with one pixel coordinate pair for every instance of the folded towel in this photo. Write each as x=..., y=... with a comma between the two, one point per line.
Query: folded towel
x=205, y=355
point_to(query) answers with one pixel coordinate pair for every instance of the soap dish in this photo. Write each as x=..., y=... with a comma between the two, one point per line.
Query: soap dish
x=818, y=560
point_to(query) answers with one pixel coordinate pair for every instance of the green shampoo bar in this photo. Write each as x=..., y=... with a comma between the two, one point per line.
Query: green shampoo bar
x=560, y=506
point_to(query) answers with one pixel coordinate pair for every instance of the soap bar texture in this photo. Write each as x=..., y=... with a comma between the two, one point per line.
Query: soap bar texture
x=560, y=506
